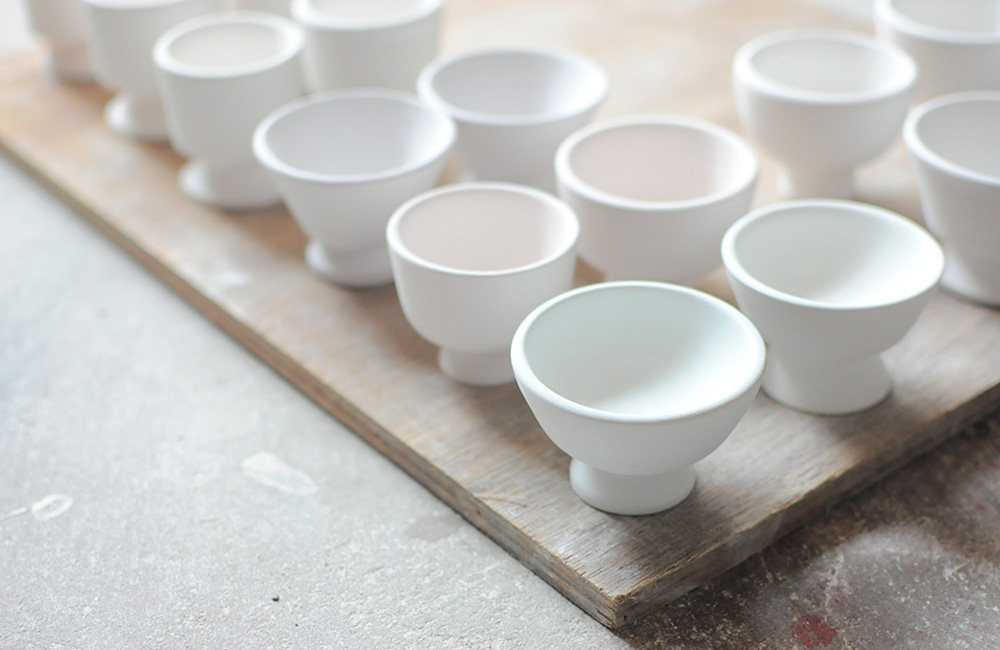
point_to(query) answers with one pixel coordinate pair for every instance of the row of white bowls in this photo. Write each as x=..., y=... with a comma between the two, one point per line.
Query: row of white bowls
x=636, y=380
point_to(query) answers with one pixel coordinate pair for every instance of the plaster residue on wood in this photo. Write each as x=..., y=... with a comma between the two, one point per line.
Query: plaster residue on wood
x=267, y=469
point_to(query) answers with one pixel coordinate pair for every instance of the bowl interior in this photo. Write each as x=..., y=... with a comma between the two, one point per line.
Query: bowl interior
x=641, y=350
x=228, y=46
x=355, y=136
x=661, y=162
x=511, y=83
x=485, y=229
x=830, y=65
x=965, y=133
x=969, y=16
x=362, y=12
x=838, y=256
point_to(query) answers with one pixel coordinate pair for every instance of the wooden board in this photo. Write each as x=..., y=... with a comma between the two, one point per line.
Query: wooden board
x=480, y=450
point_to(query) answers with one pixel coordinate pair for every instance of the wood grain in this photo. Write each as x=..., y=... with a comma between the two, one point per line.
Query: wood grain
x=478, y=449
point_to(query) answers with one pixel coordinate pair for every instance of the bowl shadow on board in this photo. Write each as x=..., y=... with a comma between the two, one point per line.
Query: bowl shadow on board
x=932, y=507
x=891, y=183
x=386, y=325
x=272, y=228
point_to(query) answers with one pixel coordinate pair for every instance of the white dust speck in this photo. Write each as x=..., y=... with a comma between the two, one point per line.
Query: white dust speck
x=271, y=471
x=51, y=506
x=48, y=507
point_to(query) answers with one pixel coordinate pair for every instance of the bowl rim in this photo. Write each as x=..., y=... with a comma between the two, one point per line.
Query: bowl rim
x=920, y=149
x=566, y=175
x=305, y=13
x=889, y=15
x=528, y=381
x=744, y=72
x=735, y=269
x=427, y=90
x=119, y=5
x=266, y=156
x=292, y=45
x=568, y=221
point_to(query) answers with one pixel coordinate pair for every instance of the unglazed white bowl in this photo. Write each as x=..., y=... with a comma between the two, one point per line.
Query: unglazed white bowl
x=60, y=22
x=822, y=102
x=219, y=75
x=956, y=45
x=830, y=285
x=368, y=43
x=120, y=37
x=344, y=161
x=513, y=107
x=954, y=142
x=470, y=261
x=655, y=194
x=637, y=381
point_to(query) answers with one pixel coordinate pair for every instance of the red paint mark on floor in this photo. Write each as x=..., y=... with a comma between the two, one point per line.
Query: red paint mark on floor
x=980, y=506
x=812, y=631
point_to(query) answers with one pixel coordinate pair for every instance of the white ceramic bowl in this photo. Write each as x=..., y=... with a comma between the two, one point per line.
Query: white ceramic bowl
x=61, y=23
x=344, y=161
x=513, y=107
x=637, y=381
x=471, y=260
x=956, y=45
x=120, y=37
x=219, y=75
x=655, y=194
x=367, y=43
x=822, y=102
x=954, y=142
x=830, y=284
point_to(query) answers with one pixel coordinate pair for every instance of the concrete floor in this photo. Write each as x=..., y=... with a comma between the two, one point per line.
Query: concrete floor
x=162, y=488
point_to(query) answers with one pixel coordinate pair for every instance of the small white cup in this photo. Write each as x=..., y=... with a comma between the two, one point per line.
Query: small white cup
x=513, y=107
x=655, y=194
x=822, y=102
x=60, y=22
x=830, y=284
x=219, y=76
x=370, y=43
x=470, y=261
x=344, y=161
x=954, y=142
x=956, y=45
x=120, y=38
x=637, y=381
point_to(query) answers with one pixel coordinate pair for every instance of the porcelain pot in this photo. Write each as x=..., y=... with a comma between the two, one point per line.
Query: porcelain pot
x=822, y=102
x=471, y=260
x=344, y=161
x=655, y=194
x=954, y=142
x=830, y=285
x=637, y=381
x=513, y=107
x=219, y=76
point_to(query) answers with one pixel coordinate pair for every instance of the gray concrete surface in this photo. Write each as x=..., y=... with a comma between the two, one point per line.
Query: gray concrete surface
x=138, y=512
x=161, y=488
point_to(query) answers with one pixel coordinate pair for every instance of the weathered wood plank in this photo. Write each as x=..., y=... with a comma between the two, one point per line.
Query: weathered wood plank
x=479, y=449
